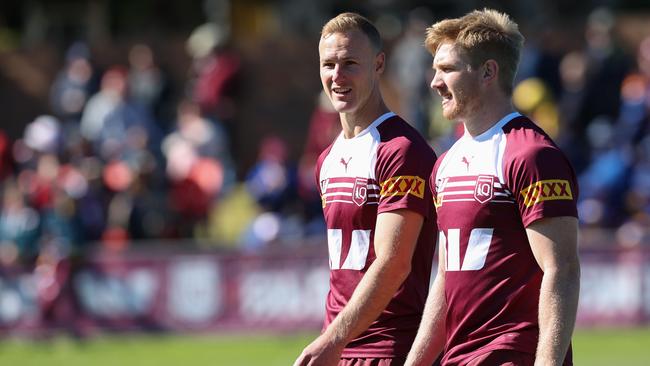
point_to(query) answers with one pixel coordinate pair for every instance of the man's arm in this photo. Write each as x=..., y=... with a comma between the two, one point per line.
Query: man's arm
x=430, y=339
x=395, y=240
x=554, y=245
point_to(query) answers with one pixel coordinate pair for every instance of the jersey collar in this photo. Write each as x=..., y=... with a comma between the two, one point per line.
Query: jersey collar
x=497, y=126
x=371, y=126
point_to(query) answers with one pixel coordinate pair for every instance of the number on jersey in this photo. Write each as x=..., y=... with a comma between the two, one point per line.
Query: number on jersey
x=476, y=253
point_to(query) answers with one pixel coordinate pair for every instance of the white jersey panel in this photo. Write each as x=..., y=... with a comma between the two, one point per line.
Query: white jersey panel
x=354, y=157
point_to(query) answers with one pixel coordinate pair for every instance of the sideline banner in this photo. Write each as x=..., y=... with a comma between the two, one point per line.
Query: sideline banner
x=278, y=290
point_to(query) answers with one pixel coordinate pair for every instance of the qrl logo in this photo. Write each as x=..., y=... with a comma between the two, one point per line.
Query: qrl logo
x=360, y=191
x=484, y=190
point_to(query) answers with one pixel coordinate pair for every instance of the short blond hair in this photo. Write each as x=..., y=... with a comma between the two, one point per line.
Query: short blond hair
x=346, y=22
x=482, y=35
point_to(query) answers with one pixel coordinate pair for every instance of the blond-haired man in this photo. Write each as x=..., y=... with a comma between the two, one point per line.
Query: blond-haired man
x=373, y=182
x=506, y=291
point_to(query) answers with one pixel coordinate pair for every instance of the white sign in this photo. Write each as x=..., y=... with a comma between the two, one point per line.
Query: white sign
x=284, y=295
x=194, y=294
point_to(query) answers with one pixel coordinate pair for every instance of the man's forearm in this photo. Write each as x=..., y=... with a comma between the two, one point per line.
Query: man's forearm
x=558, y=304
x=372, y=295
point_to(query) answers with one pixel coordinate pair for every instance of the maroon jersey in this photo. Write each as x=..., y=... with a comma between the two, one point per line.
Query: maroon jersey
x=384, y=168
x=487, y=189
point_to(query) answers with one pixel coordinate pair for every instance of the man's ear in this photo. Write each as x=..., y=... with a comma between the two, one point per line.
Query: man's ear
x=490, y=71
x=380, y=62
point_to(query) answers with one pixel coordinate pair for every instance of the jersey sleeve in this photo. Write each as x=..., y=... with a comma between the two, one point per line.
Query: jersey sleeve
x=403, y=171
x=317, y=168
x=433, y=180
x=542, y=182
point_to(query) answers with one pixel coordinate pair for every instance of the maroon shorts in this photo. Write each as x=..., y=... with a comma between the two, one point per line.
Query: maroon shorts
x=503, y=357
x=372, y=361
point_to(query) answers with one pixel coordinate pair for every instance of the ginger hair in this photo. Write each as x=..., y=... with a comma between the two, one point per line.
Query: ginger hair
x=482, y=35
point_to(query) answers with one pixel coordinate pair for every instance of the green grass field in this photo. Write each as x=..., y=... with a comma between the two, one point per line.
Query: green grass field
x=592, y=348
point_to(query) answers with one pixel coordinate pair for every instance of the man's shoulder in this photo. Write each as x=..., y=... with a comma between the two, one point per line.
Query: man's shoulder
x=527, y=141
x=524, y=133
x=395, y=134
x=323, y=155
x=395, y=127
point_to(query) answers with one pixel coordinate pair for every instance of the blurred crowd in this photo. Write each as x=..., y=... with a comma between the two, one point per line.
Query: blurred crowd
x=112, y=163
x=119, y=160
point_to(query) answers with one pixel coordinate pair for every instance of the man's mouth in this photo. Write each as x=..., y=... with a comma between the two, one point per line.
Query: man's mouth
x=446, y=97
x=341, y=91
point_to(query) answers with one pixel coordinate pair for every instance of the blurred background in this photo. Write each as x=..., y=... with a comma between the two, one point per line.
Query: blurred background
x=156, y=163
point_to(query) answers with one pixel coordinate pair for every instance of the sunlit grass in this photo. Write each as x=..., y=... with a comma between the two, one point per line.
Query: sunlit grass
x=628, y=347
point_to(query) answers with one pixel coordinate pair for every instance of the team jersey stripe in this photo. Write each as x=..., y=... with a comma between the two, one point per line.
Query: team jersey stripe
x=346, y=189
x=350, y=201
x=350, y=180
x=334, y=194
x=340, y=185
x=466, y=184
x=462, y=183
x=472, y=199
x=453, y=193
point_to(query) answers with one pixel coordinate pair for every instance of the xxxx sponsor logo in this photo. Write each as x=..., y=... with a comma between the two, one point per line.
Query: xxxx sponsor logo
x=403, y=185
x=546, y=190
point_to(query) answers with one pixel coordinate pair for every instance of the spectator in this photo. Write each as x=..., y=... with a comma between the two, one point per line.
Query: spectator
x=147, y=84
x=198, y=166
x=410, y=68
x=272, y=182
x=73, y=85
x=215, y=73
x=108, y=99
x=19, y=225
x=605, y=66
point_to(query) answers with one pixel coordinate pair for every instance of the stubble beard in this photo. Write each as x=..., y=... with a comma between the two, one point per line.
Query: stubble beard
x=462, y=105
x=457, y=109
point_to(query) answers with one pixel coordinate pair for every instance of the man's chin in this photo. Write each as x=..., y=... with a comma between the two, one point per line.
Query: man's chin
x=343, y=107
x=451, y=115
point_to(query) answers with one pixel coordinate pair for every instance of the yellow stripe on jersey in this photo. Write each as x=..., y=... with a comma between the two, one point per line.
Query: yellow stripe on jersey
x=546, y=190
x=437, y=201
x=403, y=185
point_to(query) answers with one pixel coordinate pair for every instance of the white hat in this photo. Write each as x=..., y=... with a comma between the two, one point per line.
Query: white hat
x=205, y=38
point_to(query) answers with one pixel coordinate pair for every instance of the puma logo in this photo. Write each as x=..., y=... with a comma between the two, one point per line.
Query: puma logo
x=345, y=163
x=466, y=161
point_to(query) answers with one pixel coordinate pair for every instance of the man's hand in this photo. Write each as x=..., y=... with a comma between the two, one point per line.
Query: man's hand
x=320, y=352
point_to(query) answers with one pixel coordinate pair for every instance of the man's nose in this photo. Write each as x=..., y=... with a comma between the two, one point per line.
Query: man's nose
x=436, y=82
x=338, y=73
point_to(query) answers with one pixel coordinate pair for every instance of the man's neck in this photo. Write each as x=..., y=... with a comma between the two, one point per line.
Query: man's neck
x=486, y=117
x=355, y=123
